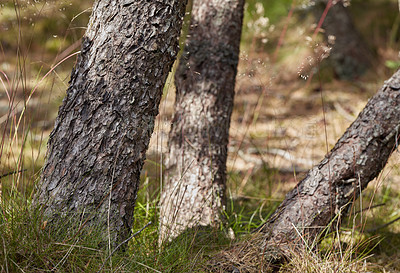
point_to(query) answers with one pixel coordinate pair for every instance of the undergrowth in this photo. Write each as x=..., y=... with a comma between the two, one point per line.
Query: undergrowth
x=29, y=245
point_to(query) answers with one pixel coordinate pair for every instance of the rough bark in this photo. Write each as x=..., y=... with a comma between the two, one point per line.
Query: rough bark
x=194, y=186
x=97, y=147
x=332, y=185
x=350, y=55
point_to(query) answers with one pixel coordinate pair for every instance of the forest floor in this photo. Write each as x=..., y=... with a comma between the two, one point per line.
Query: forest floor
x=285, y=119
x=279, y=130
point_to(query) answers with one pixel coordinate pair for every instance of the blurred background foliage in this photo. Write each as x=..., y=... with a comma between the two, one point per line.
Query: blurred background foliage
x=44, y=30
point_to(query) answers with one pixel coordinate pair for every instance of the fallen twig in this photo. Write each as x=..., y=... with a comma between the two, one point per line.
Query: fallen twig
x=124, y=242
x=383, y=226
x=13, y=172
x=371, y=207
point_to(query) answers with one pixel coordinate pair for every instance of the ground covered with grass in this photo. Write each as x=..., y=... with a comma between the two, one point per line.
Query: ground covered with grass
x=289, y=111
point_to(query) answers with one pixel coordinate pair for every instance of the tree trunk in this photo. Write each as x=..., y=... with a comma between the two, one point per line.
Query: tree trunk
x=98, y=145
x=193, y=193
x=350, y=56
x=331, y=186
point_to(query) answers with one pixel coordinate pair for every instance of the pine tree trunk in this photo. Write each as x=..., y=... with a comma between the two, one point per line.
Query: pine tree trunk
x=97, y=147
x=350, y=56
x=331, y=186
x=193, y=193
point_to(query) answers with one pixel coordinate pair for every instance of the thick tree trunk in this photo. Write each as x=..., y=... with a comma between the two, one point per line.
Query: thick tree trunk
x=98, y=145
x=331, y=186
x=350, y=56
x=194, y=186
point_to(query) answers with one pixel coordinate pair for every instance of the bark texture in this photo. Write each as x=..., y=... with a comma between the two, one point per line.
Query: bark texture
x=350, y=55
x=194, y=186
x=332, y=185
x=97, y=147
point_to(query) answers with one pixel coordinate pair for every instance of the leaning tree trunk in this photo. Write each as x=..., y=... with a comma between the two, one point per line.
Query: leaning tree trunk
x=98, y=145
x=350, y=56
x=194, y=186
x=331, y=186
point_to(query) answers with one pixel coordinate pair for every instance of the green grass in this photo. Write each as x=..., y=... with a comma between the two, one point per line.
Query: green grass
x=28, y=245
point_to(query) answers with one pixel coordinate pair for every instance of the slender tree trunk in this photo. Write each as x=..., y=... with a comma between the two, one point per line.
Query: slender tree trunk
x=350, y=55
x=331, y=186
x=98, y=145
x=193, y=192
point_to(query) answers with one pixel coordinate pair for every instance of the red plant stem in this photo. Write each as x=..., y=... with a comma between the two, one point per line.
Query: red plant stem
x=322, y=19
x=316, y=31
